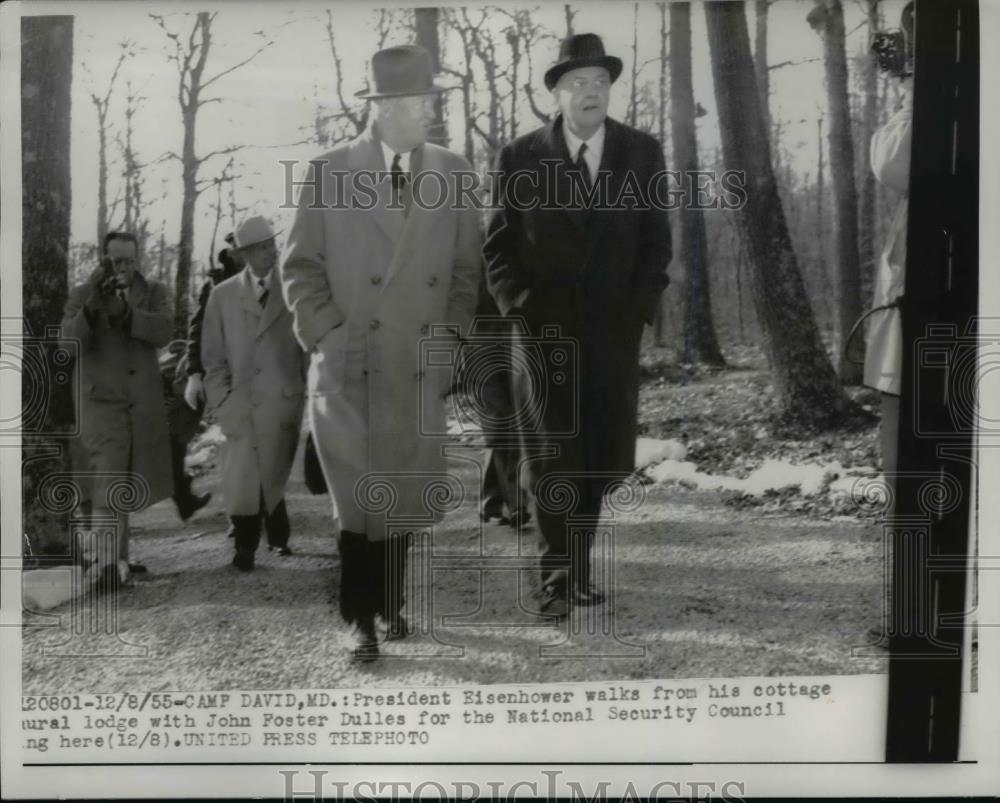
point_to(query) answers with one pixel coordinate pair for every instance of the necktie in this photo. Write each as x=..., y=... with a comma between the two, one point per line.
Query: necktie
x=581, y=164
x=263, y=293
x=398, y=179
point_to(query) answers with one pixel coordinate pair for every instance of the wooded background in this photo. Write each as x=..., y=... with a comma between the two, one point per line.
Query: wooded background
x=174, y=126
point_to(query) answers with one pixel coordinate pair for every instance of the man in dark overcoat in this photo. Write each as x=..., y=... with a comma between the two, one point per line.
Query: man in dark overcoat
x=580, y=241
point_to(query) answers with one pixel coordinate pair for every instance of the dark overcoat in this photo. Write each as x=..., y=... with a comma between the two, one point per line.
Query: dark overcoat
x=595, y=273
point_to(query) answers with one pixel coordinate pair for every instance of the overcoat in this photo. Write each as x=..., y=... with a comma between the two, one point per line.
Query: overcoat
x=254, y=388
x=121, y=414
x=371, y=281
x=596, y=274
x=890, y=158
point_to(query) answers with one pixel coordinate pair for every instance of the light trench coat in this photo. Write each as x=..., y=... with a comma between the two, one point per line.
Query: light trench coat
x=890, y=158
x=255, y=390
x=121, y=411
x=368, y=288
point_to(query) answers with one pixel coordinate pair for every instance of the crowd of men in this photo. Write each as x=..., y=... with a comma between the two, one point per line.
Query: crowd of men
x=331, y=329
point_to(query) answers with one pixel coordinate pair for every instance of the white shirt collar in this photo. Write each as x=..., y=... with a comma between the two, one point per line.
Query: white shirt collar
x=253, y=281
x=389, y=154
x=595, y=146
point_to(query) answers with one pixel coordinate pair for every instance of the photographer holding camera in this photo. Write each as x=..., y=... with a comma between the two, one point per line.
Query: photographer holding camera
x=890, y=160
x=120, y=319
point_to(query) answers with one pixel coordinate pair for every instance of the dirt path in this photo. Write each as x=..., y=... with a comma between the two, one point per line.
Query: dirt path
x=702, y=590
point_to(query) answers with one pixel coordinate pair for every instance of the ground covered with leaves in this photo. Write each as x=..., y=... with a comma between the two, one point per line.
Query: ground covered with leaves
x=726, y=418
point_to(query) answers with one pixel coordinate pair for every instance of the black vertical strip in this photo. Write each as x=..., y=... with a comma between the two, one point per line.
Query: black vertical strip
x=930, y=529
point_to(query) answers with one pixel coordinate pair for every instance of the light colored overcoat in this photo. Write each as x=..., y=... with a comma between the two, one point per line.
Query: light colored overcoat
x=254, y=388
x=121, y=411
x=368, y=286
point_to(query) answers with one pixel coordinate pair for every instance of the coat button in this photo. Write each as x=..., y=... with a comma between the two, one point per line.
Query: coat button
x=256, y=370
x=375, y=323
x=376, y=280
x=418, y=375
x=432, y=281
x=425, y=329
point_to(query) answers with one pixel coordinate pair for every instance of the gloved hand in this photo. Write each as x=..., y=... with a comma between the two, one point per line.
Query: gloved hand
x=194, y=392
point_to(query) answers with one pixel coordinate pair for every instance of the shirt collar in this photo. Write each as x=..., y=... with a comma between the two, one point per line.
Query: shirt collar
x=251, y=278
x=388, y=154
x=595, y=145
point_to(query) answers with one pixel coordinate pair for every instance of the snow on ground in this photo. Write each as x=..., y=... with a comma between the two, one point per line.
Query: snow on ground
x=664, y=462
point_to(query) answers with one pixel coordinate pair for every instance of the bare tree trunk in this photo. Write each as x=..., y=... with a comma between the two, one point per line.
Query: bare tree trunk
x=827, y=18
x=425, y=20
x=700, y=340
x=806, y=386
x=569, y=18
x=866, y=214
x=658, y=320
x=760, y=60
x=46, y=402
x=632, y=113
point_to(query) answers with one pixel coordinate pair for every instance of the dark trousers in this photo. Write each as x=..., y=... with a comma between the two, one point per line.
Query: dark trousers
x=182, y=480
x=500, y=495
x=246, y=529
x=567, y=538
x=889, y=432
x=372, y=577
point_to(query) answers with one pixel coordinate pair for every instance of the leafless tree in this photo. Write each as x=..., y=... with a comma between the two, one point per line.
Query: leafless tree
x=827, y=19
x=102, y=103
x=190, y=55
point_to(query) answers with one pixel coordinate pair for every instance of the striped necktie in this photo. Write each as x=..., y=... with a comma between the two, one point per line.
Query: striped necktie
x=263, y=293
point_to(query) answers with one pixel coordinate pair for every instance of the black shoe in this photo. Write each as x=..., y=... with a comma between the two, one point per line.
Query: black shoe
x=190, y=504
x=365, y=648
x=490, y=512
x=243, y=562
x=109, y=582
x=137, y=568
x=551, y=601
x=586, y=597
x=284, y=551
x=396, y=628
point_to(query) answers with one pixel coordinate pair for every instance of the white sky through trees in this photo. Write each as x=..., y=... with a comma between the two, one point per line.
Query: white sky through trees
x=271, y=102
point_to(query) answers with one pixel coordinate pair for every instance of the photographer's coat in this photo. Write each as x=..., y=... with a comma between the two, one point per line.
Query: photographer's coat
x=255, y=389
x=121, y=411
x=366, y=286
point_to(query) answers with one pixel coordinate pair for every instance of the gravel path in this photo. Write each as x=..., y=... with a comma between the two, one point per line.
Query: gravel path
x=702, y=590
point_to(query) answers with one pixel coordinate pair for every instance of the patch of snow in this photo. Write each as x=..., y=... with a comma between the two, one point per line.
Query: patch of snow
x=653, y=450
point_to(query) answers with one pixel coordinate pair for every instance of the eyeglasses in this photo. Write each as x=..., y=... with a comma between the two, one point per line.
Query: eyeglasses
x=601, y=82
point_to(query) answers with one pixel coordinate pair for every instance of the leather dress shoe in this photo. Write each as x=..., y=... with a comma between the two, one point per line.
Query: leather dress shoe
x=137, y=568
x=552, y=601
x=365, y=648
x=518, y=518
x=244, y=563
x=284, y=551
x=490, y=512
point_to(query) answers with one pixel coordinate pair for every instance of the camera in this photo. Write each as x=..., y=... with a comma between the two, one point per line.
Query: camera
x=110, y=283
x=889, y=48
x=496, y=351
x=46, y=366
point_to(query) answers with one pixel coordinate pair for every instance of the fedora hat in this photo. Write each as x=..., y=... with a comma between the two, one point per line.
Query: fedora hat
x=582, y=50
x=253, y=230
x=400, y=71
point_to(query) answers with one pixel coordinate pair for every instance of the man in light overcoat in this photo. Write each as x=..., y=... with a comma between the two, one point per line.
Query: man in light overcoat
x=120, y=318
x=255, y=389
x=593, y=269
x=368, y=278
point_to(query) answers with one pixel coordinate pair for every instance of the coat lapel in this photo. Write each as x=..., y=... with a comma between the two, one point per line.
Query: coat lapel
x=613, y=163
x=274, y=307
x=418, y=220
x=366, y=154
x=249, y=302
x=553, y=147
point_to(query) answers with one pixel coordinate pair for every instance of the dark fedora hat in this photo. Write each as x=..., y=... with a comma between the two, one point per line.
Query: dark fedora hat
x=400, y=71
x=582, y=50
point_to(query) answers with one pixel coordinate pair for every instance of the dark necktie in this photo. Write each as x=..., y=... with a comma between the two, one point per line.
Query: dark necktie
x=398, y=179
x=262, y=298
x=581, y=164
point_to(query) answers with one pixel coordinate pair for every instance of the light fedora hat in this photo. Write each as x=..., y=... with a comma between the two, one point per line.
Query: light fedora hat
x=253, y=230
x=400, y=71
x=582, y=50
